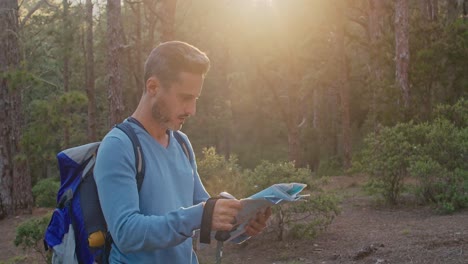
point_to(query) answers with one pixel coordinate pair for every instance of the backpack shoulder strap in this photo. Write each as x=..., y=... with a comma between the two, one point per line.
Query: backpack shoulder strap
x=139, y=160
x=184, y=145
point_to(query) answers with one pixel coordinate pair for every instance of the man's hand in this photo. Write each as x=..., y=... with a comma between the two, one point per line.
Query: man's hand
x=257, y=224
x=224, y=214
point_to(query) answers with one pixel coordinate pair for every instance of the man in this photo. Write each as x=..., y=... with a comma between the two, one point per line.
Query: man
x=155, y=224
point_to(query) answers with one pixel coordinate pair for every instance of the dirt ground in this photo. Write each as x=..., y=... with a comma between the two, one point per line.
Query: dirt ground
x=364, y=232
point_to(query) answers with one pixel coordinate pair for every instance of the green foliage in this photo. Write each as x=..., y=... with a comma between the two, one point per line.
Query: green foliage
x=330, y=167
x=268, y=173
x=43, y=136
x=30, y=233
x=282, y=61
x=386, y=159
x=433, y=152
x=457, y=114
x=440, y=165
x=306, y=218
x=320, y=209
x=45, y=192
x=219, y=174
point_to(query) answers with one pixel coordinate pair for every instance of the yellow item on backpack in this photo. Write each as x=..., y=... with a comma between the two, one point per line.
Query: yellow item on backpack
x=96, y=239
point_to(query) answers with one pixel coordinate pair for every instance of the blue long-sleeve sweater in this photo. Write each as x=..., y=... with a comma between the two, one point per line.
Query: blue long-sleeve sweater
x=154, y=225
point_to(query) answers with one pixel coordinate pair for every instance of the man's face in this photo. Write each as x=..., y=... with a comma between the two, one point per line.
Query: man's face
x=174, y=104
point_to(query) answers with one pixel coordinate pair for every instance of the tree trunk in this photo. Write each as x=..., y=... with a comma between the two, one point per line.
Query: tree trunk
x=465, y=10
x=294, y=145
x=429, y=9
x=15, y=180
x=343, y=84
x=295, y=114
x=375, y=22
x=168, y=20
x=152, y=19
x=375, y=26
x=90, y=88
x=67, y=38
x=114, y=88
x=402, y=49
x=138, y=54
x=435, y=10
x=453, y=11
x=224, y=72
x=333, y=120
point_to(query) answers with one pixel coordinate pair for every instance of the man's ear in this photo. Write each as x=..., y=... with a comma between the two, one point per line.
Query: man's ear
x=152, y=85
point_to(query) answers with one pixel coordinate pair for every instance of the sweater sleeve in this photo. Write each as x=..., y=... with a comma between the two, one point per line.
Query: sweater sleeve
x=132, y=231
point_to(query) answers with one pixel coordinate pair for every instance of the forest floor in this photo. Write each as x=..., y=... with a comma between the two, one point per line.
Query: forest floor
x=364, y=232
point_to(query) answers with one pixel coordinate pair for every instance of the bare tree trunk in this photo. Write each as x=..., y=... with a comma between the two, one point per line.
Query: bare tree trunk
x=15, y=180
x=435, y=10
x=294, y=108
x=114, y=88
x=151, y=18
x=294, y=145
x=66, y=35
x=455, y=8
x=168, y=20
x=429, y=9
x=375, y=22
x=315, y=107
x=375, y=26
x=343, y=84
x=90, y=88
x=224, y=72
x=138, y=54
x=67, y=40
x=453, y=11
x=465, y=10
x=402, y=49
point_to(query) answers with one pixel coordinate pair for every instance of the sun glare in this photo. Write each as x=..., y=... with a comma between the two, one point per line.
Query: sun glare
x=263, y=2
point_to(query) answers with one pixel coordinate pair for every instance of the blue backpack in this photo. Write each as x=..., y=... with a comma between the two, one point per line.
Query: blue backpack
x=77, y=232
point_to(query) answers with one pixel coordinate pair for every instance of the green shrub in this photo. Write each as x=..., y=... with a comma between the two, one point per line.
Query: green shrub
x=30, y=233
x=330, y=167
x=320, y=209
x=433, y=152
x=304, y=219
x=386, y=159
x=457, y=114
x=45, y=192
x=267, y=173
x=219, y=174
x=448, y=190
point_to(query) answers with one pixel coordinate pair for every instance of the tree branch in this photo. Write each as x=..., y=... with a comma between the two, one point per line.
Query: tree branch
x=359, y=22
x=33, y=10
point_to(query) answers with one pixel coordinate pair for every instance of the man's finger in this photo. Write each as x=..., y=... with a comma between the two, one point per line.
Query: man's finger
x=268, y=212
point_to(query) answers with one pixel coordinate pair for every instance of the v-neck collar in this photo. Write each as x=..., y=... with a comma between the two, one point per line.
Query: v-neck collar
x=138, y=123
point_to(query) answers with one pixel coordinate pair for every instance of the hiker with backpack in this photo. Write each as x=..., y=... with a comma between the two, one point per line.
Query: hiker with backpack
x=154, y=221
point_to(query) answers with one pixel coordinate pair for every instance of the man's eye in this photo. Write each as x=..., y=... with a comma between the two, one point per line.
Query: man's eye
x=186, y=98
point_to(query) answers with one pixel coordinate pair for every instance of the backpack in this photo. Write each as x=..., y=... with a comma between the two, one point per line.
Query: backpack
x=77, y=231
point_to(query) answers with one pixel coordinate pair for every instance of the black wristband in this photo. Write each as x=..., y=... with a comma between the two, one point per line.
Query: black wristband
x=205, y=229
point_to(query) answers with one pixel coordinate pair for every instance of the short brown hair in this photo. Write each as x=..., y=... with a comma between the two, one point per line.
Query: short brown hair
x=170, y=58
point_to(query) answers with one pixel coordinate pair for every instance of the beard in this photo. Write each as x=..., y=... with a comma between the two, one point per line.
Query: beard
x=161, y=115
